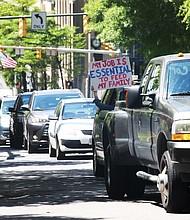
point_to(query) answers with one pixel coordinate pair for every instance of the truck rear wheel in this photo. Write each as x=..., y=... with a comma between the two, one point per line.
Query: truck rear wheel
x=173, y=190
x=98, y=169
x=114, y=178
x=134, y=185
x=59, y=154
x=52, y=151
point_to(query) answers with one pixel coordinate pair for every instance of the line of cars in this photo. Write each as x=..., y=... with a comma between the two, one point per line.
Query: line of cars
x=5, y=103
x=60, y=120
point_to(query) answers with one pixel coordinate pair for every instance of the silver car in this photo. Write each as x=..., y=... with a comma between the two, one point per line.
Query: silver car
x=5, y=103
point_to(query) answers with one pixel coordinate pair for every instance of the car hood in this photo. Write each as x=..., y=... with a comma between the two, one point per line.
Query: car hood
x=42, y=114
x=78, y=122
x=181, y=107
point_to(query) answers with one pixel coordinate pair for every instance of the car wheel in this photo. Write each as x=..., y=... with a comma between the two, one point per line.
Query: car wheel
x=30, y=147
x=18, y=143
x=60, y=155
x=173, y=190
x=134, y=185
x=2, y=142
x=98, y=169
x=52, y=151
x=12, y=143
x=25, y=143
x=114, y=178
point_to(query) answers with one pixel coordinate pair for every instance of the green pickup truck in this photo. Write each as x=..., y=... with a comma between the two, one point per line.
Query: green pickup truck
x=147, y=136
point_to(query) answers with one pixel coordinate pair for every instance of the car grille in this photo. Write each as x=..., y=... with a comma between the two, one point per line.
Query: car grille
x=75, y=144
x=45, y=132
x=87, y=132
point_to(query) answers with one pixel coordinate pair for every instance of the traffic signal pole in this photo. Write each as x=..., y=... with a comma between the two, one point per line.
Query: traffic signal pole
x=48, y=15
x=62, y=49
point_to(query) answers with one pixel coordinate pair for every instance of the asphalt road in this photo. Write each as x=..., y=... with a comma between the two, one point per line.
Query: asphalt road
x=37, y=187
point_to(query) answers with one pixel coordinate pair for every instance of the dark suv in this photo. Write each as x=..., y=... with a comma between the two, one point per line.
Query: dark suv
x=16, y=121
x=36, y=124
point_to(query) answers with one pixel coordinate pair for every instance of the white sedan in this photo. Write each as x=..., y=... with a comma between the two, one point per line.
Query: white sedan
x=70, y=128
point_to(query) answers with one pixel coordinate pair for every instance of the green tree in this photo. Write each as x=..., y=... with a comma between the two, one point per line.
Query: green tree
x=155, y=25
x=54, y=36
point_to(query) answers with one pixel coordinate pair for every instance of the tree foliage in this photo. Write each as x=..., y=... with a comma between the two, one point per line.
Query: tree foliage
x=155, y=25
x=54, y=36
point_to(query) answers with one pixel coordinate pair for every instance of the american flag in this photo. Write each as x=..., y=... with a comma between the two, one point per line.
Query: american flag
x=6, y=61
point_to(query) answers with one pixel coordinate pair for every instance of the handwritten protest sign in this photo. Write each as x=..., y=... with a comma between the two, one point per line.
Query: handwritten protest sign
x=113, y=73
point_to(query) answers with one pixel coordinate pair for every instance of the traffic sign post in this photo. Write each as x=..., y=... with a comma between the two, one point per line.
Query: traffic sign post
x=38, y=20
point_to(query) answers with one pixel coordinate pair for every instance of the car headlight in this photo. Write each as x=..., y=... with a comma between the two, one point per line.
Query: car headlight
x=181, y=130
x=38, y=120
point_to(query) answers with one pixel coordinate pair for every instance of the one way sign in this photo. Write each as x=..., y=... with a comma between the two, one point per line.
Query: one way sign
x=38, y=20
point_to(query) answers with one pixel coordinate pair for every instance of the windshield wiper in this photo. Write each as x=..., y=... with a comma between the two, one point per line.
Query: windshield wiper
x=180, y=93
x=38, y=109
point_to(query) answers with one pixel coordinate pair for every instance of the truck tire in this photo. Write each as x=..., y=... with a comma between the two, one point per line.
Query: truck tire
x=174, y=191
x=98, y=169
x=114, y=178
x=31, y=148
x=59, y=154
x=25, y=143
x=12, y=143
x=52, y=151
x=18, y=143
x=134, y=186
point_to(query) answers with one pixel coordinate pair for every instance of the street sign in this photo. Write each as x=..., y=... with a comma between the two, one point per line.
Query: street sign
x=38, y=20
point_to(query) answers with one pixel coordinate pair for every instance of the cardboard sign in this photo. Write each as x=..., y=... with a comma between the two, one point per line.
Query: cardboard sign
x=113, y=73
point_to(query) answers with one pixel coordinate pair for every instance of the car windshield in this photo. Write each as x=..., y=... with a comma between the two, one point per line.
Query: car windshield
x=79, y=110
x=50, y=101
x=5, y=106
x=178, y=78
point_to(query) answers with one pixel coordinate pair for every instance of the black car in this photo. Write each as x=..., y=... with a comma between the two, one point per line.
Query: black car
x=36, y=124
x=16, y=121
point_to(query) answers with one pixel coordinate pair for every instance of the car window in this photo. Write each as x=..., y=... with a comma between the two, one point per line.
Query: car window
x=6, y=104
x=79, y=110
x=50, y=101
x=21, y=100
x=177, y=77
x=145, y=77
x=153, y=83
x=110, y=97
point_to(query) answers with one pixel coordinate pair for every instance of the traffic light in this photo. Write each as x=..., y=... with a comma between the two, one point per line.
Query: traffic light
x=86, y=21
x=38, y=53
x=2, y=49
x=108, y=46
x=22, y=27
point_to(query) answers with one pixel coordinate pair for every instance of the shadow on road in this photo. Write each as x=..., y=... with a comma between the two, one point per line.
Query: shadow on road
x=55, y=182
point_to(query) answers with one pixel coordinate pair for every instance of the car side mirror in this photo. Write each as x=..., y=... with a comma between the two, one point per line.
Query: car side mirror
x=11, y=109
x=102, y=114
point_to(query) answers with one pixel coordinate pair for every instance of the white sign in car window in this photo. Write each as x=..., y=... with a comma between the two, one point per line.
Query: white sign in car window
x=113, y=73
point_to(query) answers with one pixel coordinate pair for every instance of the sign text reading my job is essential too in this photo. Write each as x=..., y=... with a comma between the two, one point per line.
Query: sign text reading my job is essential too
x=113, y=73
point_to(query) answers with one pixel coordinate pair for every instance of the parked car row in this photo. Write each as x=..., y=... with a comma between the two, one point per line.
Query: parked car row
x=5, y=103
x=60, y=120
